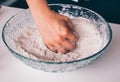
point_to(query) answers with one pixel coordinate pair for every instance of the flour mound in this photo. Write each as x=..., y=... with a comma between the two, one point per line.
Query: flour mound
x=29, y=43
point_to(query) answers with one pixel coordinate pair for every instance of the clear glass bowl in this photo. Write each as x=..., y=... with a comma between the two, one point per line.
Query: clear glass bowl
x=24, y=19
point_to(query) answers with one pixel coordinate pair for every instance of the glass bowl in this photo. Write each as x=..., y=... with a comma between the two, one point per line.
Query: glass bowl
x=24, y=19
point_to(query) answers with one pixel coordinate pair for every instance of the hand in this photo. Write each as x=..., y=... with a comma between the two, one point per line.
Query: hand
x=57, y=32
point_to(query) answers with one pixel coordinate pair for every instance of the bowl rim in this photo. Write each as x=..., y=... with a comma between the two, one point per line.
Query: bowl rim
x=39, y=61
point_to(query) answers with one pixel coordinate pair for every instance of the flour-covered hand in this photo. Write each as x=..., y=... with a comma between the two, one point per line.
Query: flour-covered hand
x=56, y=30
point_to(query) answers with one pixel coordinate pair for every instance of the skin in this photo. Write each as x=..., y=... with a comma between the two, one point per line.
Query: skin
x=56, y=30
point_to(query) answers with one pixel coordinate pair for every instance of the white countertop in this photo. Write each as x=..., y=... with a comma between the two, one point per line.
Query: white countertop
x=105, y=69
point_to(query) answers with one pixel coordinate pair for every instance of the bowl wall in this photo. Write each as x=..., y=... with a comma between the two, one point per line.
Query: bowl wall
x=23, y=20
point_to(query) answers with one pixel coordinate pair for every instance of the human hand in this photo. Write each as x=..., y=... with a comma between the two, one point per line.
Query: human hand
x=57, y=32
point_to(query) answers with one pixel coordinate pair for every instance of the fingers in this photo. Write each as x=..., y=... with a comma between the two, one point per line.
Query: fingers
x=60, y=48
x=72, y=37
x=51, y=47
x=69, y=24
x=57, y=48
x=68, y=45
x=62, y=36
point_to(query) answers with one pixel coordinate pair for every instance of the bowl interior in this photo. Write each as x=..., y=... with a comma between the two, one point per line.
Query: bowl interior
x=22, y=20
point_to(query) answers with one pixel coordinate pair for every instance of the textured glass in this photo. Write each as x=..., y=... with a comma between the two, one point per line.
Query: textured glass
x=24, y=19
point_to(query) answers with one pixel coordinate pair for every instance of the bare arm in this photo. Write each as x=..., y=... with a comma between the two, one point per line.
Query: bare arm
x=38, y=7
x=56, y=30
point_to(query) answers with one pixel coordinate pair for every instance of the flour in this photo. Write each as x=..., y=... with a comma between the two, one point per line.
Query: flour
x=29, y=43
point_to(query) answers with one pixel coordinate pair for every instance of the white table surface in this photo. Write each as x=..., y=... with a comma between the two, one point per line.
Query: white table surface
x=105, y=69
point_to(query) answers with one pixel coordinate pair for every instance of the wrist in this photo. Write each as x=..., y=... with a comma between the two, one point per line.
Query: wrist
x=38, y=7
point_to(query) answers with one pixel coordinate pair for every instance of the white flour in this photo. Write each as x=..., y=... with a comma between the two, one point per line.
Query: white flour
x=29, y=43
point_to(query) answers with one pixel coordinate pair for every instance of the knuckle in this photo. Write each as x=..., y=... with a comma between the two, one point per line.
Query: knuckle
x=73, y=36
x=59, y=38
x=53, y=49
x=65, y=32
x=72, y=47
x=66, y=18
x=62, y=51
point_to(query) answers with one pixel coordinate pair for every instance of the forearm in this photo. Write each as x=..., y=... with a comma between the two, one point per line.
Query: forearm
x=39, y=7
